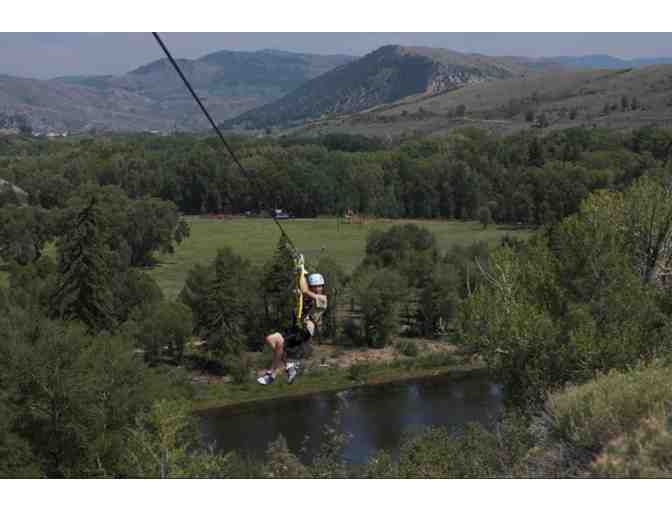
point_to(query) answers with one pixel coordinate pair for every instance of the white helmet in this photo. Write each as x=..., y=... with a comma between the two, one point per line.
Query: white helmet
x=315, y=279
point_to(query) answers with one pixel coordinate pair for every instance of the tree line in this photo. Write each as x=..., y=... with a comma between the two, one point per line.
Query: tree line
x=520, y=178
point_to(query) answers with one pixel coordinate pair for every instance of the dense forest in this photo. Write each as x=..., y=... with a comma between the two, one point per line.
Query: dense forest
x=93, y=368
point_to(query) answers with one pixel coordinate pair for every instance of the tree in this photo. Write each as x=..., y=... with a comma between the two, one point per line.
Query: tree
x=24, y=231
x=379, y=294
x=74, y=396
x=227, y=321
x=151, y=225
x=279, y=286
x=85, y=279
x=163, y=330
x=485, y=217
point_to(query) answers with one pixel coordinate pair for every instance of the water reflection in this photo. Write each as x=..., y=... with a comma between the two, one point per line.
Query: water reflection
x=376, y=417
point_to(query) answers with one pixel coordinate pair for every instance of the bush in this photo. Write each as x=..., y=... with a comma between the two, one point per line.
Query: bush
x=407, y=348
x=644, y=453
x=591, y=415
x=352, y=333
x=359, y=371
x=238, y=367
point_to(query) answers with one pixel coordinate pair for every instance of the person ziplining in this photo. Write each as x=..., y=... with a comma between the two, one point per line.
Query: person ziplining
x=311, y=302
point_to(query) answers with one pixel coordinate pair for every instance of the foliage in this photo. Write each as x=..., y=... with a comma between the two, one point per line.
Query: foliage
x=279, y=286
x=281, y=463
x=379, y=293
x=162, y=330
x=225, y=319
x=591, y=415
x=73, y=395
x=359, y=371
x=163, y=443
x=407, y=348
x=473, y=452
x=564, y=308
x=24, y=231
x=239, y=367
x=84, y=284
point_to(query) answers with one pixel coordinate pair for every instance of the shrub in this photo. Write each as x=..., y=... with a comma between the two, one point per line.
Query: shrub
x=407, y=348
x=281, y=463
x=352, y=333
x=238, y=367
x=359, y=371
x=591, y=415
x=644, y=453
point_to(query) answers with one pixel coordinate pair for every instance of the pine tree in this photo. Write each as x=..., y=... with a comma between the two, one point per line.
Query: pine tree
x=84, y=284
x=279, y=285
x=229, y=306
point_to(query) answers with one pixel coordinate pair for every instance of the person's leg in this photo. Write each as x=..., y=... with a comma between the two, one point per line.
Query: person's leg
x=277, y=343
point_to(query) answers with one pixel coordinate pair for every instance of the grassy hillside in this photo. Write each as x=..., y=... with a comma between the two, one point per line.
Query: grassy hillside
x=383, y=76
x=152, y=97
x=256, y=240
x=565, y=98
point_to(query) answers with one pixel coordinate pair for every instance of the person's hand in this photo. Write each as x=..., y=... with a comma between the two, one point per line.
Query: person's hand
x=300, y=263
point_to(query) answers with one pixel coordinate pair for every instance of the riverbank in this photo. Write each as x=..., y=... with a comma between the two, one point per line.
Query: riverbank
x=329, y=379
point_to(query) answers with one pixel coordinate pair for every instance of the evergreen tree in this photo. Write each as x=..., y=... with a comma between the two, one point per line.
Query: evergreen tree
x=229, y=310
x=84, y=284
x=279, y=285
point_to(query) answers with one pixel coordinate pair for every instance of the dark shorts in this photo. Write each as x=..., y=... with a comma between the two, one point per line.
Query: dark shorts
x=296, y=342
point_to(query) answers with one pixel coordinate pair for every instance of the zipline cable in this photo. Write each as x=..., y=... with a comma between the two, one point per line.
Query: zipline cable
x=216, y=128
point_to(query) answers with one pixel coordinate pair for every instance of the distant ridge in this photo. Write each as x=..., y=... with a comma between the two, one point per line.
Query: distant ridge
x=152, y=96
x=607, y=62
x=383, y=76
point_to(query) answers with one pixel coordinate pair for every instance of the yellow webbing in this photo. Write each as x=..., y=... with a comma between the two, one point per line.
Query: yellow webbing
x=298, y=307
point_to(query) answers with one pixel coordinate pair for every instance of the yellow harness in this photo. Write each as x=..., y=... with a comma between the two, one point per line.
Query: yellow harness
x=298, y=304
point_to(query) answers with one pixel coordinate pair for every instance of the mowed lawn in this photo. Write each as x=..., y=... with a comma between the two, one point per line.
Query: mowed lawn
x=256, y=240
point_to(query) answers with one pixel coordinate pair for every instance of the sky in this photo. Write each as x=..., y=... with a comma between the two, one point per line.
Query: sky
x=51, y=54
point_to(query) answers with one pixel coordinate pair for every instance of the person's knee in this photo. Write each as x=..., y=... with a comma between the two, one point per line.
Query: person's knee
x=275, y=341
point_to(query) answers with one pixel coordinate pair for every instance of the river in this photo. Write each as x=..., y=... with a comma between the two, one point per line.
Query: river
x=376, y=417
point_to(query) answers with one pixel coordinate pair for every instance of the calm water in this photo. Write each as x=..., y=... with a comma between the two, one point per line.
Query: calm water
x=377, y=417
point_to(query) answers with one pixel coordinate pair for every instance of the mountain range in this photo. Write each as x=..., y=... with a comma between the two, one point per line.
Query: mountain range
x=269, y=88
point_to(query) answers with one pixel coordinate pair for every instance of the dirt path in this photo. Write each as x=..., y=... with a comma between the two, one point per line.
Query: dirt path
x=341, y=357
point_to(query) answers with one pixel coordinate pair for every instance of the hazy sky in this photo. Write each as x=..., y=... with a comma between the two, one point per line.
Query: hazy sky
x=46, y=55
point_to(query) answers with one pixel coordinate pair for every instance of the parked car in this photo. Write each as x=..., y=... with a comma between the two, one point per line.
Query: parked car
x=279, y=214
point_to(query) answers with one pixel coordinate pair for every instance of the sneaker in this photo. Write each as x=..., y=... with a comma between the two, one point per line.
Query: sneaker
x=291, y=373
x=267, y=378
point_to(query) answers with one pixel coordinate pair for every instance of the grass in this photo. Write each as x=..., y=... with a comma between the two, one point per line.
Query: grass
x=256, y=239
x=590, y=415
x=323, y=380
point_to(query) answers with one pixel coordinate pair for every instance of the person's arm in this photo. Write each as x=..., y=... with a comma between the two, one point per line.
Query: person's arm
x=304, y=285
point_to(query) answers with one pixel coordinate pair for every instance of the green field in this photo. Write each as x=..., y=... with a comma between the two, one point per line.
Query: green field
x=256, y=240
